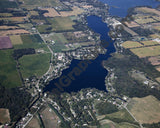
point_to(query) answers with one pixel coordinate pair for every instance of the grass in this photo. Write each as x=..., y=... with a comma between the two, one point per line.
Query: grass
x=127, y=125
x=150, y=42
x=9, y=76
x=131, y=44
x=34, y=123
x=120, y=116
x=145, y=110
x=16, y=39
x=147, y=51
x=34, y=65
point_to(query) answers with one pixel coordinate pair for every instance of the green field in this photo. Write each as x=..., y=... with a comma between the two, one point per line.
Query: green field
x=7, y=4
x=36, y=64
x=120, y=116
x=9, y=76
x=57, y=24
x=32, y=41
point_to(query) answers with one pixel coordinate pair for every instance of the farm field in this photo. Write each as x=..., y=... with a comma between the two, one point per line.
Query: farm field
x=154, y=60
x=9, y=76
x=5, y=14
x=5, y=42
x=14, y=19
x=34, y=123
x=13, y=32
x=149, y=42
x=146, y=51
x=50, y=119
x=158, y=68
x=153, y=36
x=145, y=20
x=75, y=12
x=58, y=24
x=16, y=39
x=4, y=27
x=4, y=116
x=131, y=44
x=145, y=110
x=51, y=12
x=7, y=4
x=34, y=65
x=122, y=116
x=148, y=10
x=132, y=24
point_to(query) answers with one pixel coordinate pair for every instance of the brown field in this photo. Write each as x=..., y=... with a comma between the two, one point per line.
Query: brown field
x=132, y=24
x=154, y=36
x=156, y=24
x=5, y=42
x=156, y=27
x=149, y=42
x=37, y=21
x=16, y=39
x=33, y=13
x=14, y=19
x=145, y=110
x=49, y=118
x=87, y=6
x=148, y=10
x=33, y=123
x=158, y=69
x=51, y=12
x=75, y=12
x=13, y=32
x=147, y=51
x=158, y=79
x=4, y=116
x=144, y=21
x=8, y=27
x=131, y=44
x=155, y=60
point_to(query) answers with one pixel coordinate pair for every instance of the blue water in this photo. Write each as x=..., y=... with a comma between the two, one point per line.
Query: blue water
x=120, y=7
x=95, y=74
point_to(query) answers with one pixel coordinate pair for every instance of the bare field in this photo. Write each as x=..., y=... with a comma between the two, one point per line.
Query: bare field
x=154, y=36
x=156, y=18
x=5, y=42
x=131, y=44
x=149, y=42
x=8, y=27
x=146, y=51
x=145, y=110
x=132, y=24
x=33, y=123
x=4, y=115
x=13, y=32
x=158, y=79
x=14, y=19
x=49, y=118
x=16, y=39
x=148, y=10
x=158, y=69
x=155, y=60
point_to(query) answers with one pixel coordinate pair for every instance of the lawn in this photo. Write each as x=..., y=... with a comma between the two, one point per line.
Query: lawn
x=34, y=65
x=145, y=110
x=131, y=44
x=9, y=76
x=147, y=51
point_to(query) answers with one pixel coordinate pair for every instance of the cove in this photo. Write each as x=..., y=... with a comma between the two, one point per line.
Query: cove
x=120, y=7
x=94, y=75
